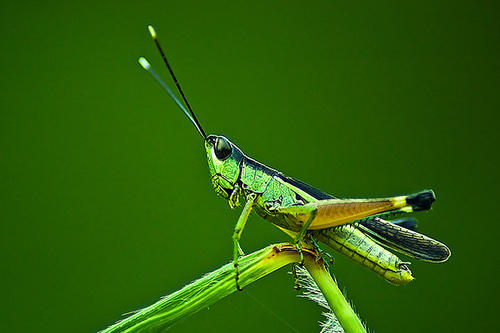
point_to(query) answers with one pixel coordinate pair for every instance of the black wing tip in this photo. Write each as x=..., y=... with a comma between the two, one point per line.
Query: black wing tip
x=442, y=254
x=422, y=200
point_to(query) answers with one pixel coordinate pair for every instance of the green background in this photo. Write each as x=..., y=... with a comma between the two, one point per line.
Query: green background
x=106, y=203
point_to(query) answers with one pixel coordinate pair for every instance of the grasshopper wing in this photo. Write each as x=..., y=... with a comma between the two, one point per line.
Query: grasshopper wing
x=404, y=240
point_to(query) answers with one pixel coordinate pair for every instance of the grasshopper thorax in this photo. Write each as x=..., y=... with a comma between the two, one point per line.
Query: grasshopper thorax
x=224, y=161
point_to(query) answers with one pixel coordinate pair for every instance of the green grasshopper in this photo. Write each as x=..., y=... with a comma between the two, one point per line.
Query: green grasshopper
x=354, y=227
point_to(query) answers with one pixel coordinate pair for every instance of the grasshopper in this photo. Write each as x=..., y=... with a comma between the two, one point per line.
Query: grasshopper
x=356, y=228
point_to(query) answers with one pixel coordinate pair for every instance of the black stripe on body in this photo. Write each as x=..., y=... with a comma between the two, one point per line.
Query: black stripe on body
x=312, y=191
x=256, y=166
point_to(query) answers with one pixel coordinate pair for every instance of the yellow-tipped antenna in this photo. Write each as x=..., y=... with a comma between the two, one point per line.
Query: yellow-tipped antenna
x=152, y=31
x=148, y=68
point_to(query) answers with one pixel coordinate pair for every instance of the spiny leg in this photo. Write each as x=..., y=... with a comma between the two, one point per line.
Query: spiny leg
x=238, y=229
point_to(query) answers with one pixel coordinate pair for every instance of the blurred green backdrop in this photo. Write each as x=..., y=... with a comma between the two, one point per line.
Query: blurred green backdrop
x=106, y=203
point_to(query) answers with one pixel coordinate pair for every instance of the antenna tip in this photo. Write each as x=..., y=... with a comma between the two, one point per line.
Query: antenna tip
x=144, y=63
x=152, y=31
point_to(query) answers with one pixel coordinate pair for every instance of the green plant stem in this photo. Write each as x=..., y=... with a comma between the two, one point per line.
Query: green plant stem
x=207, y=290
x=220, y=283
x=339, y=305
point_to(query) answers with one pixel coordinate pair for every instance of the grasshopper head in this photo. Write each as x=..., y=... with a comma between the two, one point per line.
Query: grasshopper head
x=224, y=160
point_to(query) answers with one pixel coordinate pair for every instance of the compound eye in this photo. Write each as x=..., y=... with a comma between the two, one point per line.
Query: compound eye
x=222, y=148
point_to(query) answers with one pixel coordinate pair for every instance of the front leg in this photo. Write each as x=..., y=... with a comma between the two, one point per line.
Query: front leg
x=238, y=229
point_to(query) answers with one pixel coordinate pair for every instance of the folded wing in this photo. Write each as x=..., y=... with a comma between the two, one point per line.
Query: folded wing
x=405, y=240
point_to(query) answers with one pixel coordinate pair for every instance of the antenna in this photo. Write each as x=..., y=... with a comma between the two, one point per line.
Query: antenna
x=193, y=117
x=147, y=66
